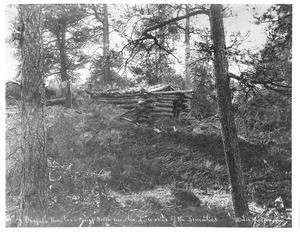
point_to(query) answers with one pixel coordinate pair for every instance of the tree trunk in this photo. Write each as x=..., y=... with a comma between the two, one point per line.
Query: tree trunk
x=103, y=18
x=187, y=80
x=152, y=74
x=34, y=162
x=159, y=59
x=229, y=134
x=68, y=103
x=106, y=57
x=157, y=64
x=61, y=39
x=62, y=52
x=158, y=67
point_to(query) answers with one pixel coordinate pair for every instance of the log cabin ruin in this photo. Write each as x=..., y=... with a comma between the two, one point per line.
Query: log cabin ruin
x=145, y=105
x=142, y=105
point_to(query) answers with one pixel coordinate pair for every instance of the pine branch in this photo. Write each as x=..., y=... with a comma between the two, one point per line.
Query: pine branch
x=198, y=12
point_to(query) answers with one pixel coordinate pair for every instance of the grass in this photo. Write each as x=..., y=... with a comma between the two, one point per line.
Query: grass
x=114, y=173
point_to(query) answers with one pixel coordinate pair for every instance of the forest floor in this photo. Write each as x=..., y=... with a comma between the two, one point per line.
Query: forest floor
x=107, y=172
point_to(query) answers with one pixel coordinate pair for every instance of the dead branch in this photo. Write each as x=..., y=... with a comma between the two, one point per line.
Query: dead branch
x=145, y=35
x=198, y=12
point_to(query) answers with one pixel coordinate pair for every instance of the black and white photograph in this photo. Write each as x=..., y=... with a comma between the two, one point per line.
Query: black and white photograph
x=140, y=114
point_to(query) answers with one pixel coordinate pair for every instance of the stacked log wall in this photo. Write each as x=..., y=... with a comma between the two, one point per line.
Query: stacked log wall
x=162, y=102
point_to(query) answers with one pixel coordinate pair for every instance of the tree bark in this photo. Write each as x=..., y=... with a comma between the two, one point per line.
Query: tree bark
x=106, y=57
x=187, y=50
x=61, y=39
x=226, y=114
x=68, y=102
x=34, y=162
x=157, y=67
x=103, y=18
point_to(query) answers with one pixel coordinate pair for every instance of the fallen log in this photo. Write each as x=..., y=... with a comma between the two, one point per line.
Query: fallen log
x=55, y=102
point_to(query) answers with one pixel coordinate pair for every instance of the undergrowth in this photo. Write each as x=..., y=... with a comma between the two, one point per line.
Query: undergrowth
x=107, y=172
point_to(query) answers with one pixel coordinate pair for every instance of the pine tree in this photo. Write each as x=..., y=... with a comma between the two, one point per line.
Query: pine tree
x=59, y=20
x=226, y=114
x=34, y=164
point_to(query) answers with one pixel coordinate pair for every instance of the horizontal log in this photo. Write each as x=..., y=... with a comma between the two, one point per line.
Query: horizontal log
x=116, y=99
x=168, y=93
x=124, y=106
x=164, y=101
x=167, y=98
x=127, y=106
x=55, y=102
x=124, y=97
x=152, y=110
x=96, y=95
x=161, y=88
x=136, y=97
x=162, y=110
x=119, y=103
x=143, y=117
x=129, y=101
x=132, y=95
x=170, y=110
x=157, y=91
x=187, y=96
x=132, y=104
x=170, y=99
x=143, y=95
x=159, y=114
x=178, y=92
x=118, y=95
x=165, y=105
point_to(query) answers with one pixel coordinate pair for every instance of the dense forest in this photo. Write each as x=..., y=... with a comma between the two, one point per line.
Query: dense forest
x=148, y=115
